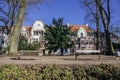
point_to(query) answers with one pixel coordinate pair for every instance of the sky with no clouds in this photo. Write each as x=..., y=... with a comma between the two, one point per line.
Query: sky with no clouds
x=70, y=10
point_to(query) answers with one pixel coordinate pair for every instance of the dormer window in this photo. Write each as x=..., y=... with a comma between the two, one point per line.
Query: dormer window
x=38, y=24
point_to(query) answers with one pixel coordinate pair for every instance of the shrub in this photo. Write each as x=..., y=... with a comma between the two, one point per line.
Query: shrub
x=116, y=46
x=34, y=46
x=53, y=72
x=13, y=72
x=104, y=72
x=56, y=73
x=23, y=43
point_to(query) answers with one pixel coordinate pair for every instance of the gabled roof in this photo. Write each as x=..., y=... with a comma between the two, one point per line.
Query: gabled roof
x=75, y=28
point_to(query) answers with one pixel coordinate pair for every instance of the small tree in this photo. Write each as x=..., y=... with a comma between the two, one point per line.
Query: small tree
x=58, y=36
x=23, y=43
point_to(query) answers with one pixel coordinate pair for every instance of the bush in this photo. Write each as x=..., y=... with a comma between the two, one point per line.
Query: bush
x=103, y=72
x=116, y=46
x=13, y=72
x=24, y=45
x=34, y=46
x=53, y=72
x=56, y=73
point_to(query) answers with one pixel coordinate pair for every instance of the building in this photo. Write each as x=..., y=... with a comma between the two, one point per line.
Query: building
x=85, y=36
x=34, y=33
x=3, y=37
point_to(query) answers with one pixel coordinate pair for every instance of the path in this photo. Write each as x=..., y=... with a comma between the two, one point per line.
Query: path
x=64, y=60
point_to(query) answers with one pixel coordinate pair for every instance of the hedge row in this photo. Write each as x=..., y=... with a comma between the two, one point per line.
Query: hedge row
x=54, y=72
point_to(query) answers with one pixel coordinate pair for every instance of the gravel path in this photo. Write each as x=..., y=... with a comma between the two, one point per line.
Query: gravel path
x=60, y=60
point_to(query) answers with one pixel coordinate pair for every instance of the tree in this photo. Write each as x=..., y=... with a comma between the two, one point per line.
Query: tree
x=106, y=17
x=14, y=14
x=8, y=13
x=100, y=11
x=23, y=43
x=115, y=28
x=92, y=16
x=14, y=35
x=57, y=36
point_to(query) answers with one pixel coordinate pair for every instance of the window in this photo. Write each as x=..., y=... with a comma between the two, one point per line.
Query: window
x=36, y=32
x=41, y=33
x=81, y=34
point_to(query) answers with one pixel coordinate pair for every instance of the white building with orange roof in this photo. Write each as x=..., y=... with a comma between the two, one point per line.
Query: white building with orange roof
x=35, y=32
x=85, y=36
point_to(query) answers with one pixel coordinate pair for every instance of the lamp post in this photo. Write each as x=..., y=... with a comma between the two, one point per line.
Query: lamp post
x=75, y=46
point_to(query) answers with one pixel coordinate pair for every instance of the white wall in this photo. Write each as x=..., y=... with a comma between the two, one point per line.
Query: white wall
x=81, y=30
x=37, y=26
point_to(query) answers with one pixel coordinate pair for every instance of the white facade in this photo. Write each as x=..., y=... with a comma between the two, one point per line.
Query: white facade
x=85, y=36
x=34, y=33
x=81, y=33
x=24, y=31
x=37, y=31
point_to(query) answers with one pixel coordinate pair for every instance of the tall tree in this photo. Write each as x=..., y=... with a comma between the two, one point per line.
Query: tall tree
x=14, y=37
x=58, y=36
x=13, y=18
x=101, y=8
x=8, y=13
x=106, y=18
x=92, y=16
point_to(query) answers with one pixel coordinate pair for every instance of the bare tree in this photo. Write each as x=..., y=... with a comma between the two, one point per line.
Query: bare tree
x=100, y=12
x=13, y=18
x=93, y=16
x=8, y=13
x=115, y=28
x=106, y=18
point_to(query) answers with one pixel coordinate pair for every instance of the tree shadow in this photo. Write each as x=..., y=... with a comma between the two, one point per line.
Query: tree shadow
x=18, y=58
x=72, y=59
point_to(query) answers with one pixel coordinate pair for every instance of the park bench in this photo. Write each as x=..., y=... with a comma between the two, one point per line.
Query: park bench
x=88, y=51
x=31, y=52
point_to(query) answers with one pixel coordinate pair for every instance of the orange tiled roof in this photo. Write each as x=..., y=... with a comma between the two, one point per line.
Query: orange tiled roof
x=75, y=28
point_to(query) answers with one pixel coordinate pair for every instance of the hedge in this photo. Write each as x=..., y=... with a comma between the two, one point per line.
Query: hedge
x=54, y=72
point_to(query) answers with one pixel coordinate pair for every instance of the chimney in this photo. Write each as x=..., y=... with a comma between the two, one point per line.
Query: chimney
x=68, y=24
x=86, y=24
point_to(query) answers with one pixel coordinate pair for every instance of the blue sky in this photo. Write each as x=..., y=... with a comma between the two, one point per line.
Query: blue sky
x=70, y=10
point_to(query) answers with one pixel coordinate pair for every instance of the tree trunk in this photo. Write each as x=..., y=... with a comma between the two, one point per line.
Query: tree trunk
x=110, y=49
x=61, y=51
x=97, y=27
x=14, y=37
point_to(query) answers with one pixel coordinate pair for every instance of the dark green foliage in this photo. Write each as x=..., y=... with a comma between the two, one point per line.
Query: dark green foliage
x=58, y=36
x=116, y=46
x=23, y=43
x=34, y=46
x=104, y=72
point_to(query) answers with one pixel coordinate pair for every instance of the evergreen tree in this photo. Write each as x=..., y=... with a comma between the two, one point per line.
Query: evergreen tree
x=58, y=36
